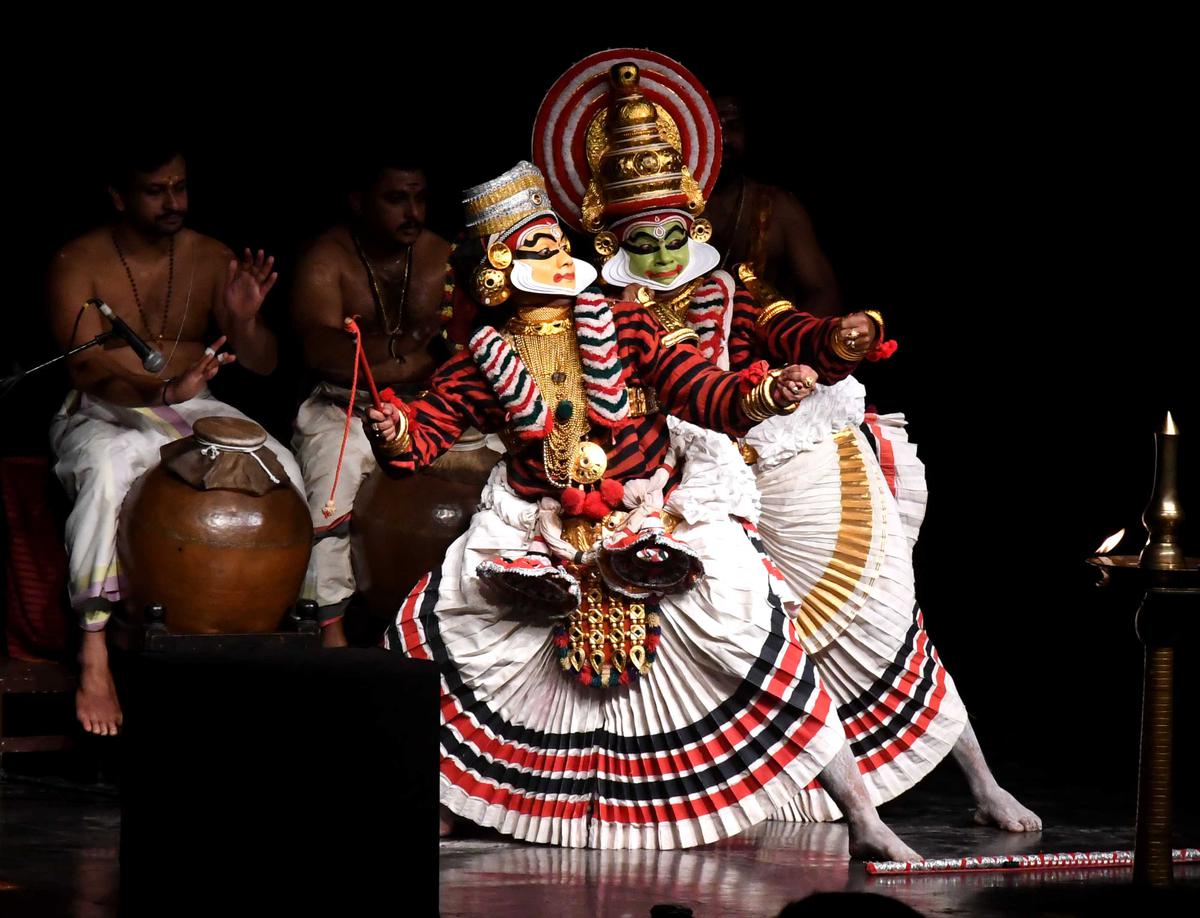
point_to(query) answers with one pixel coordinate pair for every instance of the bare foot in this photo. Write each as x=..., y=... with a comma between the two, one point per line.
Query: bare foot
x=446, y=821
x=334, y=635
x=997, y=807
x=876, y=842
x=96, y=703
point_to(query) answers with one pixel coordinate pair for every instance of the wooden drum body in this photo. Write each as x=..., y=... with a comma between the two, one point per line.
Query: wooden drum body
x=402, y=527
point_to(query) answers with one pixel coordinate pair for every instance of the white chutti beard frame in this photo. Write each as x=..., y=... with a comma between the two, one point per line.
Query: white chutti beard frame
x=521, y=277
x=702, y=258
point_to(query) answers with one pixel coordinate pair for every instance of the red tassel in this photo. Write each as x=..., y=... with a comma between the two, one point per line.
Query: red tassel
x=572, y=501
x=594, y=506
x=624, y=680
x=883, y=350
x=613, y=492
x=752, y=375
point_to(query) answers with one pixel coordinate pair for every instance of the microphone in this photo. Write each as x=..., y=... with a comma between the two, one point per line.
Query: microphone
x=152, y=360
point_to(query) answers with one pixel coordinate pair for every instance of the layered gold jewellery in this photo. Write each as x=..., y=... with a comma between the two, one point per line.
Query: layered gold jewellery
x=545, y=339
x=669, y=312
x=849, y=344
x=759, y=404
x=391, y=325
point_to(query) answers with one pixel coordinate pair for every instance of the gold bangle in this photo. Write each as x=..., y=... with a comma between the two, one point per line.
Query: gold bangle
x=839, y=347
x=877, y=317
x=772, y=310
x=402, y=442
x=769, y=382
x=752, y=408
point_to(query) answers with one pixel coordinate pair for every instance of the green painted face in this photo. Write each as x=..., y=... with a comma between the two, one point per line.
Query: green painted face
x=658, y=259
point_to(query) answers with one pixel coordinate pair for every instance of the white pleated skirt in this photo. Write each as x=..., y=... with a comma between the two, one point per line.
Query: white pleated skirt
x=839, y=524
x=730, y=724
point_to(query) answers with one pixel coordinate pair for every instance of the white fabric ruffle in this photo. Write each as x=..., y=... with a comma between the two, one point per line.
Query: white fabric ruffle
x=825, y=412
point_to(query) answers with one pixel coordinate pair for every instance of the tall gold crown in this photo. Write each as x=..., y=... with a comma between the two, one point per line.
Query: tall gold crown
x=633, y=150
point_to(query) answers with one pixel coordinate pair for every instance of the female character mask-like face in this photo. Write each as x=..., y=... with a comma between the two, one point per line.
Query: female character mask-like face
x=659, y=253
x=542, y=262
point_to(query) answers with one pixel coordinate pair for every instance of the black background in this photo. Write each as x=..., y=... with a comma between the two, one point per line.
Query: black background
x=1014, y=199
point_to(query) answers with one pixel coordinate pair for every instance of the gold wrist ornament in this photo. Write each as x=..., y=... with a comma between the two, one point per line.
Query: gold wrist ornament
x=841, y=348
x=759, y=404
x=877, y=317
x=399, y=444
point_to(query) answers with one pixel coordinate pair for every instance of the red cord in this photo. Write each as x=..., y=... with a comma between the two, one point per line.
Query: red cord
x=351, y=326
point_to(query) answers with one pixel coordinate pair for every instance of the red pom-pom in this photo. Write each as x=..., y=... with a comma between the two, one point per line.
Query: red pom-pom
x=624, y=680
x=613, y=492
x=585, y=676
x=883, y=350
x=560, y=640
x=389, y=395
x=594, y=506
x=572, y=501
x=652, y=642
x=753, y=375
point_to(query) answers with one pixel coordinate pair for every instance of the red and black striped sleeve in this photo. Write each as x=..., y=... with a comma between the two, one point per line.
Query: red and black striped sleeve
x=791, y=337
x=687, y=384
x=458, y=397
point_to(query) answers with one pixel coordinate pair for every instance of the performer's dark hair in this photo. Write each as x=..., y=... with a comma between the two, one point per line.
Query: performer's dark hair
x=127, y=160
x=467, y=254
x=364, y=170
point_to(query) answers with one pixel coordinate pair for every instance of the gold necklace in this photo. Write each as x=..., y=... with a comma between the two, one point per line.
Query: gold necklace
x=552, y=357
x=676, y=304
x=391, y=327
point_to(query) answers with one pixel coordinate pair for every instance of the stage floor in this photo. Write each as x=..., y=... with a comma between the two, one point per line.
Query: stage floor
x=58, y=856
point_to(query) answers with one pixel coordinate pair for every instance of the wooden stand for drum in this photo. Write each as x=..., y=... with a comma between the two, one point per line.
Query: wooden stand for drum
x=402, y=527
x=215, y=534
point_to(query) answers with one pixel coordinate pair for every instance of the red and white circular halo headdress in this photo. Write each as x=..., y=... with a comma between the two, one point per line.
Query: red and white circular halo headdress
x=561, y=127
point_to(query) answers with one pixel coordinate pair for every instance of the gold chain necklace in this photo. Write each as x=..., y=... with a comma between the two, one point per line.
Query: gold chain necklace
x=551, y=355
x=391, y=326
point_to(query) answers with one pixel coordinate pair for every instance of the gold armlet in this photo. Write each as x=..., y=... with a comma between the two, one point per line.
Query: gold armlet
x=774, y=309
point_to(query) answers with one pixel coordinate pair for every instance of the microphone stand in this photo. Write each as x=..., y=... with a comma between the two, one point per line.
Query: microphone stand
x=8, y=382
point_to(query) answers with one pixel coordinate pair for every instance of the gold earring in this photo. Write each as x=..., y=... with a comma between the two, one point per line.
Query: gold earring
x=701, y=231
x=491, y=285
x=605, y=244
x=499, y=255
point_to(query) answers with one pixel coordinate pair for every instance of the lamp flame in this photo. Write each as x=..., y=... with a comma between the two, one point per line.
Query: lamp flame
x=1110, y=543
x=1169, y=427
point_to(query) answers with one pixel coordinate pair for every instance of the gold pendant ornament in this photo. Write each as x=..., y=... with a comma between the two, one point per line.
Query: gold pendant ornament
x=608, y=640
x=588, y=463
